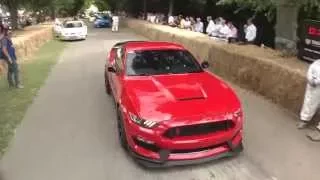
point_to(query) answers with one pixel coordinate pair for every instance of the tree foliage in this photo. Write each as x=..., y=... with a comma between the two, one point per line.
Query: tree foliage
x=48, y=7
x=263, y=5
x=101, y=4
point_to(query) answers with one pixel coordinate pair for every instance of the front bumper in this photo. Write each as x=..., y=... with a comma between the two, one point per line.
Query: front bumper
x=75, y=37
x=153, y=150
x=164, y=162
x=102, y=25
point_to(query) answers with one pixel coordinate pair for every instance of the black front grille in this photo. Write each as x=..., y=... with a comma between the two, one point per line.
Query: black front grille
x=199, y=129
x=185, y=151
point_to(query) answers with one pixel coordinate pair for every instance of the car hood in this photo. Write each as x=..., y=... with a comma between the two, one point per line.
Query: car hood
x=173, y=97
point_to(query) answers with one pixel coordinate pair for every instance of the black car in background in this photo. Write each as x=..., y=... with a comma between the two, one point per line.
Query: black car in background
x=309, y=40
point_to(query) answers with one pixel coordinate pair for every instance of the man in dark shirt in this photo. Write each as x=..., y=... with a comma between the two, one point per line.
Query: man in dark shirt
x=9, y=55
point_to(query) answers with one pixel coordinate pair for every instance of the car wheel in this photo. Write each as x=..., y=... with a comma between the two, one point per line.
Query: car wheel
x=121, y=131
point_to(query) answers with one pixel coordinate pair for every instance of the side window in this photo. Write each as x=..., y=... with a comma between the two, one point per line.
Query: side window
x=119, y=59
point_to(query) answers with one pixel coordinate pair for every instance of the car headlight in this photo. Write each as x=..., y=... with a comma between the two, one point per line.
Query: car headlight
x=141, y=122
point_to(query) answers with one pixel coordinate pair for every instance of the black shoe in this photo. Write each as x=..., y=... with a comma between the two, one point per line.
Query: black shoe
x=302, y=125
x=314, y=135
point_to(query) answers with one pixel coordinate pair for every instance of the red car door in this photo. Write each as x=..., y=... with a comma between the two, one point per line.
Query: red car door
x=117, y=77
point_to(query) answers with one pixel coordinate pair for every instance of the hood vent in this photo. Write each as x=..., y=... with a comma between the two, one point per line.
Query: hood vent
x=190, y=98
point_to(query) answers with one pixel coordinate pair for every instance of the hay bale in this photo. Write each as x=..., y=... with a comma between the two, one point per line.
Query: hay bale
x=3, y=67
x=28, y=43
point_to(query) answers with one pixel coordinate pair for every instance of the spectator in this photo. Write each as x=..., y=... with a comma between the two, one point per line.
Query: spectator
x=162, y=19
x=177, y=20
x=193, y=22
x=224, y=30
x=157, y=18
x=199, y=26
x=210, y=25
x=153, y=18
x=9, y=55
x=171, y=21
x=250, y=32
x=115, y=23
x=311, y=102
x=187, y=24
x=182, y=22
x=216, y=28
x=233, y=34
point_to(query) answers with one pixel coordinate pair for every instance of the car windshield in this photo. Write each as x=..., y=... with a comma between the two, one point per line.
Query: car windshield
x=105, y=17
x=72, y=24
x=160, y=62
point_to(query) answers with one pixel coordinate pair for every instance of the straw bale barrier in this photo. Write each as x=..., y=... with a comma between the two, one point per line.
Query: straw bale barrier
x=26, y=43
x=264, y=71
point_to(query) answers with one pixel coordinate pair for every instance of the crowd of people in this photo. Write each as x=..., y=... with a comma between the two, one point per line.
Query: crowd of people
x=218, y=29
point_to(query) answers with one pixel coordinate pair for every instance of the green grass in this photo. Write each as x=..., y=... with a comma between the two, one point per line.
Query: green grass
x=14, y=102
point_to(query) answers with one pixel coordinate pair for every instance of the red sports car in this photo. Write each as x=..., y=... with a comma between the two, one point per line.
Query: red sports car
x=170, y=110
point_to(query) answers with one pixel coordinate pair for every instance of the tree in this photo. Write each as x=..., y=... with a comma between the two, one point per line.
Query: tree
x=71, y=7
x=13, y=6
x=101, y=4
x=287, y=16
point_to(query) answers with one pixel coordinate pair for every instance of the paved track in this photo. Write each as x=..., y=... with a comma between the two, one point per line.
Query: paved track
x=69, y=132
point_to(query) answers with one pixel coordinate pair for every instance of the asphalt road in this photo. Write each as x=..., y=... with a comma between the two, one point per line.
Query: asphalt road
x=69, y=132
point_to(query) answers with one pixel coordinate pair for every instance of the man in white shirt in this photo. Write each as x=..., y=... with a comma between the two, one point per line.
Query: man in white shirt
x=153, y=18
x=210, y=25
x=187, y=24
x=311, y=102
x=182, y=22
x=216, y=28
x=250, y=32
x=199, y=26
x=233, y=34
x=115, y=23
x=224, y=31
x=171, y=21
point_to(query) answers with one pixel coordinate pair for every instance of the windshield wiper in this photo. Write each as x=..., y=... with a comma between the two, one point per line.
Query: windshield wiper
x=196, y=71
x=142, y=74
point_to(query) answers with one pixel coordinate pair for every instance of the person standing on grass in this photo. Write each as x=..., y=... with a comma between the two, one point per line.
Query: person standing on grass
x=311, y=102
x=8, y=53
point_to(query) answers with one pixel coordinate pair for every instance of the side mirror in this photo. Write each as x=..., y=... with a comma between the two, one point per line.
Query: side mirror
x=205, y=64
x=111, y=69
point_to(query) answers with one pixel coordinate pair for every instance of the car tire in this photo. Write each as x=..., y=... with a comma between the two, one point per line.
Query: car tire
x=121, y=131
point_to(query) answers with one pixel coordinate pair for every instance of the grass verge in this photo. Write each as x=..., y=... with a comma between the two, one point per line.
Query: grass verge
x=14, y=102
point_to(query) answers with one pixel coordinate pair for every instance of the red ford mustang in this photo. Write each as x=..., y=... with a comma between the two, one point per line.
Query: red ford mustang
x=171, y=111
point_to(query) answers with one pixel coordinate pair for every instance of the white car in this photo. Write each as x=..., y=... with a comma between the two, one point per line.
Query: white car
x=73, y=30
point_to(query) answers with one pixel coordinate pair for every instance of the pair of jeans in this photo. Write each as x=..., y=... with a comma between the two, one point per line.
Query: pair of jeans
x=13, y=74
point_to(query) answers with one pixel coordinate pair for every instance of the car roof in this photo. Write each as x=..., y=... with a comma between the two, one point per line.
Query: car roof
x=73, y=21
x=151, y=45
